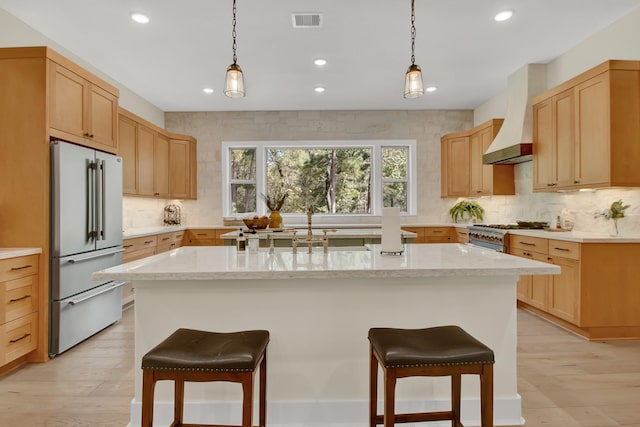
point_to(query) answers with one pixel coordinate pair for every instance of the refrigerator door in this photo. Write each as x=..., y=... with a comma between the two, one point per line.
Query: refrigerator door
x=109, y=191
x=73, y=201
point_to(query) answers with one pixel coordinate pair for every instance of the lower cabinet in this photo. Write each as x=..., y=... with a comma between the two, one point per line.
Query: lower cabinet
x=434, y=234
x=18, y=307
x=595, y=295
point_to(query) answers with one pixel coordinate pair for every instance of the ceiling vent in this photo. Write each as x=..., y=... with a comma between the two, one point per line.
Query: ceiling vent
x=306, y=20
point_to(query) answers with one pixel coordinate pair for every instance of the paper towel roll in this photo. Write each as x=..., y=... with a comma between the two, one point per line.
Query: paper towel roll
x=391, y=234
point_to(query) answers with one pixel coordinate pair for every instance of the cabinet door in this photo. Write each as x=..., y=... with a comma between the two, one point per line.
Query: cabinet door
x=161, y=166
x=458, y=167
x=102, y=111
x=564, y=125
x=592, y=131
x=145, y=160
x=128, y=152
x=475, y=165
x=539, y=288
x=564, y=295
x=444, y=168
x=544, y=155
x=67, y=98
x=523, y=289
x=179, y=174
x=193, y=170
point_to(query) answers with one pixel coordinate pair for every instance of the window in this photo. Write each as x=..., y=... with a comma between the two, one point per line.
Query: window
x=335, y=177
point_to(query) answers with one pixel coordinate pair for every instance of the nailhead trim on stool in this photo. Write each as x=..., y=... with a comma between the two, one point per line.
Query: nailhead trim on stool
x=190, y=355
x=429, y=352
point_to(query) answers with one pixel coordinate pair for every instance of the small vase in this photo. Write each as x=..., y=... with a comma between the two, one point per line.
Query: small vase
x=276, y=220
x=615, y=227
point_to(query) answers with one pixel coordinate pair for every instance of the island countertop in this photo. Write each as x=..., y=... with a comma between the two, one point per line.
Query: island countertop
x=224, y=262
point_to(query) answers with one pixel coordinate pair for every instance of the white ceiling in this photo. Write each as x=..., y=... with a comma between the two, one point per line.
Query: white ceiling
x=187, y=46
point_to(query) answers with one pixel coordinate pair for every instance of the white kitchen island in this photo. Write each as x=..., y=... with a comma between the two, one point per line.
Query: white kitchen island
x=318, y=308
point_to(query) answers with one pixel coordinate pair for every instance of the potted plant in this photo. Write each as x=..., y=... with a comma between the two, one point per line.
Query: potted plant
x=472, y=210
x=615, y=212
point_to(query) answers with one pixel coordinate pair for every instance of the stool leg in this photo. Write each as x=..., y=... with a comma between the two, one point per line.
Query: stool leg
x=456, y=383
x=263, y=391
x=389, y=397
x=148, y=386
x=373, y=388
x=486, y=395
x=178, y=402
x=247, y=399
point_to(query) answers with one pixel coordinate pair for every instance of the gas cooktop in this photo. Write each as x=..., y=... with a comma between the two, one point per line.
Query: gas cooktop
x=521, y=225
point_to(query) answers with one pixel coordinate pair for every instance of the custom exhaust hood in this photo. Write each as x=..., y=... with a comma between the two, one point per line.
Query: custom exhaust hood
x=514, y=142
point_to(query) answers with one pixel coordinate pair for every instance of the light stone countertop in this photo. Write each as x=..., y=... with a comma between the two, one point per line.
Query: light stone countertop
x=224, y=262
x=335, y=233
x=576, y=236
x=16, y=252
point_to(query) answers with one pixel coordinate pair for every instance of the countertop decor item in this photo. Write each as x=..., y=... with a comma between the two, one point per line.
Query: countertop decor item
x=274, y=203
x=615, y=212
x=472, y=210
x=257, y=222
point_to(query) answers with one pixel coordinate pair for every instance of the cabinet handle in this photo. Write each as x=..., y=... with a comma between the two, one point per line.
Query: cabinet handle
x=19, y=299
x=127, y=246
x=551, y=184
x=201, y=234
x=549, y=258
x=562, y=249
x=437, y=231
x=21, y=268
x=527, y=243
x=165, y=238
x=19, y=339
x=148, y=241
x=173, y=244
x=575, y=181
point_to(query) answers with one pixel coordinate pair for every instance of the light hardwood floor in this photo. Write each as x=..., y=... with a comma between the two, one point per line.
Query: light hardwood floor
x=564, y=381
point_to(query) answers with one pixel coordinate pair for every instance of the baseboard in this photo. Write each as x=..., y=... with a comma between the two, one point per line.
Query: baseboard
x=354, y=413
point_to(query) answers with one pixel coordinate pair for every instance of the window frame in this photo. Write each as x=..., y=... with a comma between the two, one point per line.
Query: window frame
x=376, y=173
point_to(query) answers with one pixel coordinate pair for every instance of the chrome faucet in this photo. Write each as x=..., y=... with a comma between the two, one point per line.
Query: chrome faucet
x=309, y=214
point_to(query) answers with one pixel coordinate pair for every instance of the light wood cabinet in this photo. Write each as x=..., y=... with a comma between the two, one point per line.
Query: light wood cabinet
x=594, y=301
x=419, y=233
x=44, y=96
x=18, y=308
x=463, y=173
x=82, y=111
x=586, y=132
x=169, y=241
x=156, y=163
x=439, y=235
x=462, y=234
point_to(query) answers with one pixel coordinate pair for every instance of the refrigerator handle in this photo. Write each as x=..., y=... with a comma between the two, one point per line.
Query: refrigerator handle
x=103, y=216
x=93, y=200
x=98, y=200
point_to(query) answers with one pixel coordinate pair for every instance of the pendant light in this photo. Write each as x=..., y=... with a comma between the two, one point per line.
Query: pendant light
x=234, y=82
x=413, y=87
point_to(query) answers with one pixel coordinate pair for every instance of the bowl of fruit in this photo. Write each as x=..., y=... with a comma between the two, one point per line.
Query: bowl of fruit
x=257, y=222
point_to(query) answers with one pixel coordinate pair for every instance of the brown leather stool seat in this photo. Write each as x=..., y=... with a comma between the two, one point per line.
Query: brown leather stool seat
x=438, y=351
x=200, y=356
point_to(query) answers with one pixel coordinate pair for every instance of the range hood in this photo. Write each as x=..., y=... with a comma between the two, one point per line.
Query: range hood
x=514, y=142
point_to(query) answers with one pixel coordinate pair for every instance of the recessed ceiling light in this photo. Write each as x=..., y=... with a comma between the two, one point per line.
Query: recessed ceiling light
x=320, y=62
x=431, y=89
x=504, y=15
x=319, y=89
x=207, y=90
x=140, y=18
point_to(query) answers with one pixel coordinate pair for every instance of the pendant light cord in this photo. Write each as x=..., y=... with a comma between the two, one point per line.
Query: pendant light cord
x=233, y=33
x=413, y=32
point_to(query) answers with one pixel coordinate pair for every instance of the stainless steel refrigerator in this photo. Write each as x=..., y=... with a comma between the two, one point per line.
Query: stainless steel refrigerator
x=86, y=236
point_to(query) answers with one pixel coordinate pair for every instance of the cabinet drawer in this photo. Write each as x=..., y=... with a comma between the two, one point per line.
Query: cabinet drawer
x=142, y=253
x=164, y=247
x=138, y=243
x=462, y=235
x=418, y=230
x=164, y=238
x=202, y=234
x=178, y=236
x=437, y=231
x=15, y=268
x=535, y=244
x=18, y=298
x=18, y=337
x=526, y=253
x=564, y=249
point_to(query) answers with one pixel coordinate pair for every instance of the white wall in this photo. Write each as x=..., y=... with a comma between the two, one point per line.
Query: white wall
x=15, y=33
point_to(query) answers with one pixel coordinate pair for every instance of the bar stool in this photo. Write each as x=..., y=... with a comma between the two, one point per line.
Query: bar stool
x=190, y=355
x=430, y=352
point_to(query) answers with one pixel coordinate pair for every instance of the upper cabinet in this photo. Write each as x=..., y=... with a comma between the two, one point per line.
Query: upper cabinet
x=156, y=163
x=586, y=131
x=82, y=109
x=463, y=174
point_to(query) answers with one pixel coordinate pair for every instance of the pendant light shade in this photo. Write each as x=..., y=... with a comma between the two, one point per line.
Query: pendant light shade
x=234, y=80
x=413, y=87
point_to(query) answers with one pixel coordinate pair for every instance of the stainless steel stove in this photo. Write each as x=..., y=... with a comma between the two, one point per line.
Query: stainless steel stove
x=495, y=236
